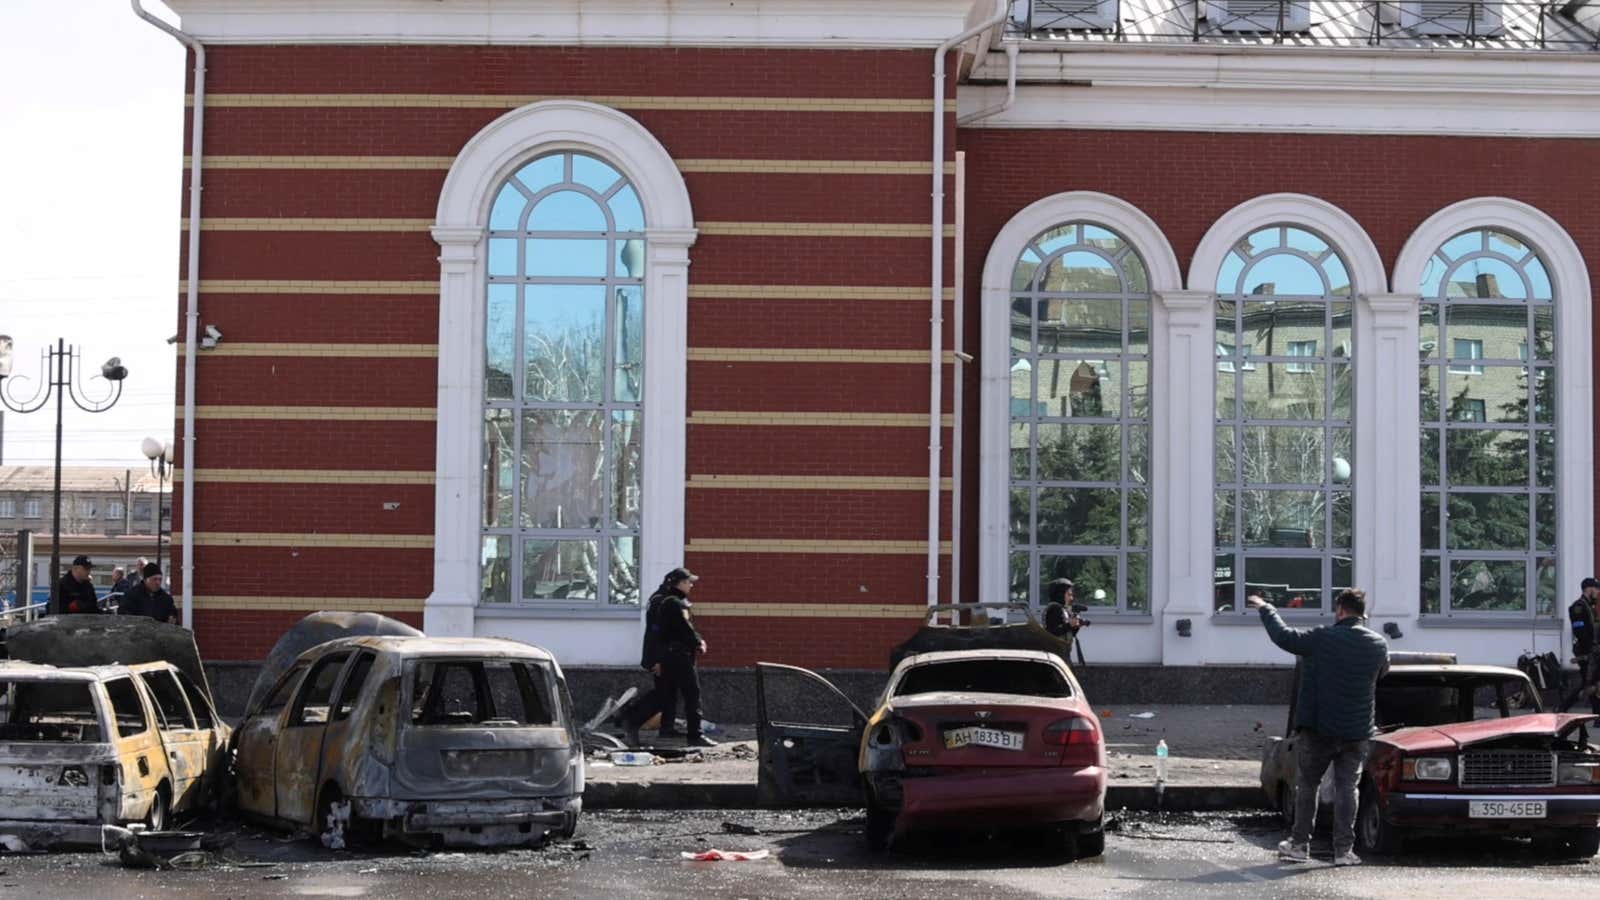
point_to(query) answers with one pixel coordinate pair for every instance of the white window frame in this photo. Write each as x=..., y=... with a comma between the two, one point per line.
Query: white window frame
x=479, y=169
x=114, y=509
x=1569, y=279
x=31, y=509
x=1165, y=284
x=1300, y=348
x=1383, y=411
x=1476, y=348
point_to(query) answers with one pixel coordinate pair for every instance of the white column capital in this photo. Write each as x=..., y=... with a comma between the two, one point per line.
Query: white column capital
x=1392, y=310
x=665, y=242
x=457, y=236
x=1187, y=310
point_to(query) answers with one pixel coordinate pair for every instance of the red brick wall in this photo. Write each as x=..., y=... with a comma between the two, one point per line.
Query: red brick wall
x=240, y=123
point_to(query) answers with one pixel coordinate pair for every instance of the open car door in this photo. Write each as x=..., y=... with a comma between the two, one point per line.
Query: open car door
x=809, y=737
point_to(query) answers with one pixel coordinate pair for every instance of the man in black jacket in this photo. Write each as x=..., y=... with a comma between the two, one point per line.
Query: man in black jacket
x=1585, y=649
x=663, y=695
x=149, y=598
x=1333, y=713
x=75, y=592
x=680, y=645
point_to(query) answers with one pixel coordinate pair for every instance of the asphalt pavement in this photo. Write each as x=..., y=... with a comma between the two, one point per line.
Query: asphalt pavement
x=821, y=854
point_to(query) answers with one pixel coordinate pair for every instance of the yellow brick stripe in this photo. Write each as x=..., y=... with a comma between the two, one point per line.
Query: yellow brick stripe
x=221, y=223
x=813, y=610
x=306, y=476
x=812, y=483
x=815, y=419
x=808, y=546
x=687, y=166
x=384, y=351
x=819, y=229
x=274, y=286
x=298, y=604
x=309, y=541
x=320, y=413
x=513, y=101
x=810, y=355
x=809, y=292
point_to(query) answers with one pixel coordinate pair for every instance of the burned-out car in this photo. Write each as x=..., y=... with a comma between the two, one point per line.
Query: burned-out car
x=458, y=741
x=1464, y=748
x=91, y=743
x=989, y=739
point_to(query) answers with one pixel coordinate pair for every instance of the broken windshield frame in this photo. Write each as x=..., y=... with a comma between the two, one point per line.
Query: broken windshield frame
x=481, y=693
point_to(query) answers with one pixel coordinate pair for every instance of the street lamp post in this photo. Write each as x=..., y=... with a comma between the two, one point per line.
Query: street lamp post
x=160, y=456
x=60, y=377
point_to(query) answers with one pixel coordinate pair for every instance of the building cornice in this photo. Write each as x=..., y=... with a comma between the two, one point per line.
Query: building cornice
x=885, y=24
x=1194, y=88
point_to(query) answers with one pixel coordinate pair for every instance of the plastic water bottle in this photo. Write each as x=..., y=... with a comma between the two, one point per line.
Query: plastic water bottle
x=633, y=758
x=1161, y=762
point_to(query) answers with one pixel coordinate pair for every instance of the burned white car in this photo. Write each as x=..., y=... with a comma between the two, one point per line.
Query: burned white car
x=87, y=745
x=445, y=741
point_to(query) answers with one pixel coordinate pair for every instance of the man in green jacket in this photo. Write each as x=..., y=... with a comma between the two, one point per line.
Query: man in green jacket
x=1341, y=665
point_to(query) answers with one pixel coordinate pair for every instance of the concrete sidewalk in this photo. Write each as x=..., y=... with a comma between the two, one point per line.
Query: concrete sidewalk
x=1214, y=763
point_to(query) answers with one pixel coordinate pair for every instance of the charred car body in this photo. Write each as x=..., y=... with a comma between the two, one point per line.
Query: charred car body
x=1453, y=754
x=459, y=741
x=87, y=743
x=1000, y=738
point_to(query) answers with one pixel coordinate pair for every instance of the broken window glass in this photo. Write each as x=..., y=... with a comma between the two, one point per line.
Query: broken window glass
x=985, y=676
x=197, y=702
x=125, y=706
x=351, y=692
x=318, y=693
x=169, y=699
x=480, y=692
x=48, y=711
x=279, y=698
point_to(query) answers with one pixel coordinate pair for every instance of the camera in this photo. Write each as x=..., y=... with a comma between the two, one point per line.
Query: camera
x=1079, y=609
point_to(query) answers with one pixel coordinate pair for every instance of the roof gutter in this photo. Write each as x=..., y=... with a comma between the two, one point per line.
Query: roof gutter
x=192, y=305
x=936, y=319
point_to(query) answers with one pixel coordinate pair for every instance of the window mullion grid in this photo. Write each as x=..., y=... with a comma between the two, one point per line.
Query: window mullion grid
x=519, y=396
x=1238, y=456
x=1124, y=415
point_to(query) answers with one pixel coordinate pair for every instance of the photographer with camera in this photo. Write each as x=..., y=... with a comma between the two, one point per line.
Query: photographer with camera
x=1062, y=616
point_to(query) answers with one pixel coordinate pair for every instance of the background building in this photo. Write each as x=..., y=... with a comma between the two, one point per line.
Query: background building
x=526, y=306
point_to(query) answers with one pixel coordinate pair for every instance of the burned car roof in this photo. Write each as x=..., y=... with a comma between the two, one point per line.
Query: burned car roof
x=18, y=670
x=80, y=641
x=314, y=630
x=415, y=647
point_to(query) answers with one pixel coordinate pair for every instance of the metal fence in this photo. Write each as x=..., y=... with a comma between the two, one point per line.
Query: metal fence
x=1415, y=24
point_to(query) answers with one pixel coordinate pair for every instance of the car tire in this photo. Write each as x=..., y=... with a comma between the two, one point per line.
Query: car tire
x=569, y=828
x=1091, y=843
x=155, y=819
x=880, y=827
x=1374, y=834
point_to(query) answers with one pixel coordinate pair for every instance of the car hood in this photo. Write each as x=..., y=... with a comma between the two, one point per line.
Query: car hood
x=1466, y=734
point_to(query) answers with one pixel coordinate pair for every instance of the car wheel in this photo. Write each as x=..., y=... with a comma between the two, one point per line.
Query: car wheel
x=156, y=818
x=569, y=827
x=1092, y=843
x=880, y=827
x=1374, y=834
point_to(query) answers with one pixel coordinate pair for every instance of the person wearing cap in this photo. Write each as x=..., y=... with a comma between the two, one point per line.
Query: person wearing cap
x=680, y=645
x=1059, y=617
x=662, y=698
x=75, y=591
x=149, y=598
x=1585, y=649
x=134, y=576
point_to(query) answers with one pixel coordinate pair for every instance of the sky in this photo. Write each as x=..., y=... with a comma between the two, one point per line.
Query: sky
x=91, y=169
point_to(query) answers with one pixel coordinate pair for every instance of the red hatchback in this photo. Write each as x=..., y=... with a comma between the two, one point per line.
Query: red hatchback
x=959, y=739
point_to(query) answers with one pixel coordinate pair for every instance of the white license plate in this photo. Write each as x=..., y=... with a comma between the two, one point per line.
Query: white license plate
x=956, y=738
x=1505, y=809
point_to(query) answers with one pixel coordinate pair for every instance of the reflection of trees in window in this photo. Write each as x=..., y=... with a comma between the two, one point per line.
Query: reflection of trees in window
x=1080, y=412
x=1488, y=428
x=1283, y=439
x=563, y=395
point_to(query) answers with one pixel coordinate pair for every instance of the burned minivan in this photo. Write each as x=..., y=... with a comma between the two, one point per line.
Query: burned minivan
x=104, y=720
x=452, y=741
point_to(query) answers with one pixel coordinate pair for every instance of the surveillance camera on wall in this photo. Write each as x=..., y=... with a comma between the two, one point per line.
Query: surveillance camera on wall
x=212, y=336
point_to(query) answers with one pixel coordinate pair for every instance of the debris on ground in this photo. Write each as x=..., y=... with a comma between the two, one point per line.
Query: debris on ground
x=1143, y=715
x=277, y=877
x=338, y=818
x=739, y=828
x=10, y=843
x=155, y=849
x=726, y=855
x=635, y=758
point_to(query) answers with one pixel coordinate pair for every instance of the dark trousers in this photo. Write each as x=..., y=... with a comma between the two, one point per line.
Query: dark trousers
x=1314, y=755
x=661, y=698
x=1587, y=666
x=678, y=666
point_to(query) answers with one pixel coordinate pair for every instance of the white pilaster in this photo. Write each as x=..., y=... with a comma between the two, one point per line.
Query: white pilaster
x=1387, y=472
x=666, y=341
x=457, y=442
x=1182, y=443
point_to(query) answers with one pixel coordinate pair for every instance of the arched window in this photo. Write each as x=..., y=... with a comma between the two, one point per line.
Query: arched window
x=1284, y=449
x=563, y=386
x=1488, y=406
x=1080, y=413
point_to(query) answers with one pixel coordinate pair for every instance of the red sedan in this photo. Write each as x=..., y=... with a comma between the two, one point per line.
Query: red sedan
x=966, y=738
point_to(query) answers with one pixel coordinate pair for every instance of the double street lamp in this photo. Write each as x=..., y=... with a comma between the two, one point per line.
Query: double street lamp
x=160, y=456
x=61, y=377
